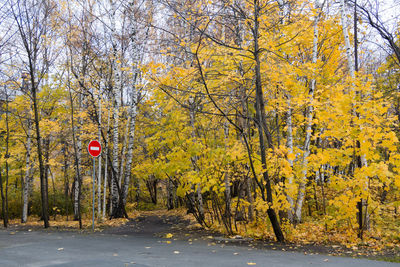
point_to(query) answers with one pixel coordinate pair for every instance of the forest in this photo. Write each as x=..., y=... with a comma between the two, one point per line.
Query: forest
x=275, y=119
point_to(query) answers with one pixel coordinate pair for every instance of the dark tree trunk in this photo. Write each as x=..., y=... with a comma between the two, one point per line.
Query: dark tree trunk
x=262, y=126
x=66, y=180
x=3, y=203
x=118, y=210
x=43, y=182
x=152, y=187
x=170, y=195
x=46, y=147
x=5, y=198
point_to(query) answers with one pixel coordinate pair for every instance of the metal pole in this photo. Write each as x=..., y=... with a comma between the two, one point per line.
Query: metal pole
x=94, y=177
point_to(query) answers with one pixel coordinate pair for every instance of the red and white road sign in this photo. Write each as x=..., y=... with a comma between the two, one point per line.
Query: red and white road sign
x=94, y=148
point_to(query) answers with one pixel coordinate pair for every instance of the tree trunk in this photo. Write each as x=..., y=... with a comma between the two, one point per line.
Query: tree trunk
x=123, y=152
x=78, y=162
x=193, y=105
x=346, y=36
x=129, y=157
x=43, y=182
x=46, y=150
x=152, y=187
x=4, y=196
x=170, y=195
x=66, y=180
x=227, y=183
x=3, y=203
x=77, y=182
x=352, y=68
x=136, y=58
x=262, y=126
x=289, y=144
x=117, y=100
x=27, y=180
x=136, y=184
x=309, y=116
x=244, y=121
x=106, y=166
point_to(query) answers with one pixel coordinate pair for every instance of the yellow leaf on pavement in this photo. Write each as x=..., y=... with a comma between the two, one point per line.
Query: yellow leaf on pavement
x=169, y=235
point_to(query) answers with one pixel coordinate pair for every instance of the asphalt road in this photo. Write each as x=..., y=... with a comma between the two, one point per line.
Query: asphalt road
x=41, y=248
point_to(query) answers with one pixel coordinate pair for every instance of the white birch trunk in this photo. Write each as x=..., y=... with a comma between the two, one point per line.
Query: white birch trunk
x=136, y=58
x=200, y=200
x=290, y=147
x=284, y=11
x=226, y=175
x=106, y=167
x=349, y=53
x=117, y=100
x=349, y=50
x=27, y=180
x=129, y=157
x=227, y=179
x=194, y=159
x=123, y=152
x=309, y=116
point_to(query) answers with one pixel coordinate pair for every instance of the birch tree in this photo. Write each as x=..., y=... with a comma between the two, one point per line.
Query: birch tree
x=27, y=185
x=116, y=108
x=136, y=52
x=309, y=117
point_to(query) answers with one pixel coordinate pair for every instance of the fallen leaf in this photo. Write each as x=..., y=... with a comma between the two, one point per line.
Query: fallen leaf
x=251, y=263
x=115, y=254
x=147, y=247
x=169, y=235
x=59, y=249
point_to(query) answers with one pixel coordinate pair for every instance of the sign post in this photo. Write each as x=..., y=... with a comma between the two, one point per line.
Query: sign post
x=94, y=149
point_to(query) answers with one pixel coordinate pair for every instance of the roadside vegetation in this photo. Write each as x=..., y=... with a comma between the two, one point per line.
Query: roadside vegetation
x=275, y=120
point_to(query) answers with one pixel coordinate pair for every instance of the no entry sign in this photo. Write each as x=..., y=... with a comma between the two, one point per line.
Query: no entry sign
x=94, y=148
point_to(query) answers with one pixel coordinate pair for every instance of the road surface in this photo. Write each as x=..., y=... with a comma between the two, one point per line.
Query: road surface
x=144, y=248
